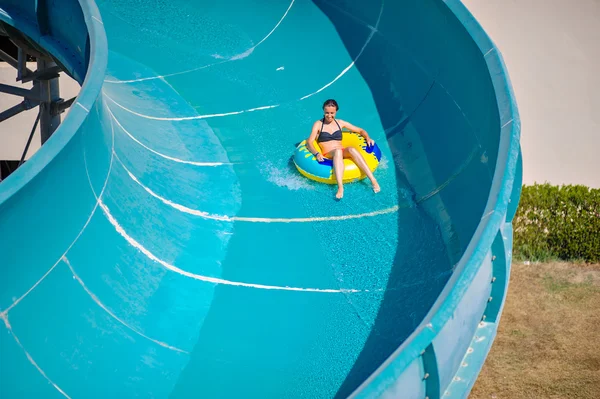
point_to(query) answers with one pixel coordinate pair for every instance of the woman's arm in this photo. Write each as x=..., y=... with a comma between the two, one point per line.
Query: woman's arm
x=361, y=131
x=309, y=141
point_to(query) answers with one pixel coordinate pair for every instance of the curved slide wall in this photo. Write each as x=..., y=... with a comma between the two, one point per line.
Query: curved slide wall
x=161, y=244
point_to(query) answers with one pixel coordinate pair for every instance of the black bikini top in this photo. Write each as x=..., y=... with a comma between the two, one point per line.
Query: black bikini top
x=335, y=136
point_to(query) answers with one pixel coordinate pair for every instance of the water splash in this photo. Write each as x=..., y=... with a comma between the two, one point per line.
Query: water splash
x=384, y=163
x=283, y=176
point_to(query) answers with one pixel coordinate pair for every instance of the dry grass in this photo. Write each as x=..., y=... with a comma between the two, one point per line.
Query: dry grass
x=548, y=343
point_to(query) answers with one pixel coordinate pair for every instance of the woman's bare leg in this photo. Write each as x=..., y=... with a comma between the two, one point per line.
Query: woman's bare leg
x=338, y=166
x=362, y=165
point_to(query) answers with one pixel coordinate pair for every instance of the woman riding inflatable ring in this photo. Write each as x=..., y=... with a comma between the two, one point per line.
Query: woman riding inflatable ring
x=328, y=134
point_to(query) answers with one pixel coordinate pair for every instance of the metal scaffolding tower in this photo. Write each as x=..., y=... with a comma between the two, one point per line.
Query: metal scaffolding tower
x=45, y=93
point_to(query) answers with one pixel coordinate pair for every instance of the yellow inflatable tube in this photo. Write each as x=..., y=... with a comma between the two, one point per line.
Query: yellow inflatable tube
x=323, y=172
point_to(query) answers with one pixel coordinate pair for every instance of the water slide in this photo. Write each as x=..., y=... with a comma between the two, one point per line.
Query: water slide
x=162, y=244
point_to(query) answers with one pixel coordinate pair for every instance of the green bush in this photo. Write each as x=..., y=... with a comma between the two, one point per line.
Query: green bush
x=557, y=223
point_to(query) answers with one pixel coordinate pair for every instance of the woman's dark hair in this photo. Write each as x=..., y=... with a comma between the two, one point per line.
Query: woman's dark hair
x=331, y=103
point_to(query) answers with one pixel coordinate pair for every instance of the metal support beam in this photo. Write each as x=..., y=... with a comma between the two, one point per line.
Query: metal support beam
x=46, y=74
x=11, y=61
x=17, y=109
x=58, y=107
x=32, y=94
x=37, y=119
x=22, y=64
x=49, y=93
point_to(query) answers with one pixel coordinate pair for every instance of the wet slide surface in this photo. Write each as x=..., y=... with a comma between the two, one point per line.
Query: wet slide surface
x=184, y=256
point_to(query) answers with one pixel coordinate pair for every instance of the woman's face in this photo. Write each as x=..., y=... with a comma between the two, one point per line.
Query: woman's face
x=329, y=113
